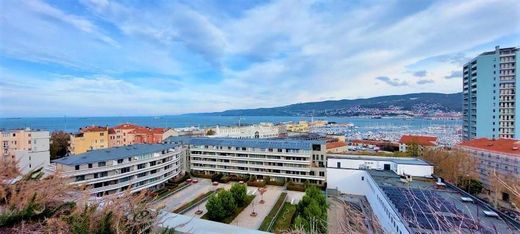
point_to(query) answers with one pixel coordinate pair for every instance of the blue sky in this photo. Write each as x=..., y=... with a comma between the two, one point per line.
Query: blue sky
x=104, y=58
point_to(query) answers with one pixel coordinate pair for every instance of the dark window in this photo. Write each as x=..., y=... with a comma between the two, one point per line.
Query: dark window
x=125, y=170
x=316, y=147
x=101, y=164
x=80, y=178
x=77, y=167
x=90, y=165
x=119, y=161
x=338, y=164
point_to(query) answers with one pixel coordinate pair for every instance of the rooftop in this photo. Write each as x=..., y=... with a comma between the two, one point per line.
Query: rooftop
x=336, y=144
x=93, y=129
x=397, y=160
x=275, y=143
x=423, y=205
x=114, y=153
x=509, y=146
x=420, y=140
x=127, y=126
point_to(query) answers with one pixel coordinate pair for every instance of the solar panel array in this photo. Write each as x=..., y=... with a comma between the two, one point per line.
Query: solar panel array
x=426, y=209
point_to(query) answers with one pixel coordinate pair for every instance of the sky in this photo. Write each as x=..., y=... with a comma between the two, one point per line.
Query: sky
x=131, y=58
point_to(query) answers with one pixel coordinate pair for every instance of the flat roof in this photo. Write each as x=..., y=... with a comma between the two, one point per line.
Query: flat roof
x=446, y=202
x=188, y=224
x=397, y=160
x=274, y=143
x=113, y=153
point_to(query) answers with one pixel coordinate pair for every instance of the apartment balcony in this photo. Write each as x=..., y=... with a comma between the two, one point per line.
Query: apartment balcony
x=271, y=174
x=118, y=166
x=302, y=153
x=123, y=175
x=306, y=162
x=160, y=174
x=249, y=165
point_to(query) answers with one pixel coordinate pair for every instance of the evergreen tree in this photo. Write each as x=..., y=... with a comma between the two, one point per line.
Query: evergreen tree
x=239, y=192
x=215, y=209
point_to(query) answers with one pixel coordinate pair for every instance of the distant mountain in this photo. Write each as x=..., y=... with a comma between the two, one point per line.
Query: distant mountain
x=408, y=104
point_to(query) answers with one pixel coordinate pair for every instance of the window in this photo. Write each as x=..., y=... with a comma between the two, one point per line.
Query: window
x=141, y=166
x=103, y=174
x=77, y=167
x=338, y=164
x=80, y=178
x=322, y=173
x=119, y=161
x=125, y=170
x=90, y=165
x=101, y=164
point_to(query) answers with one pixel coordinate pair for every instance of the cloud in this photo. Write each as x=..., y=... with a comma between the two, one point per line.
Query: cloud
x=420, y=73
x=454, y=74
x=189, y=56
x=392, y=82
x=423, y=82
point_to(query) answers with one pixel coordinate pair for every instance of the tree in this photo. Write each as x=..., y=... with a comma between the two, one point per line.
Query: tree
x=413, y=150
x=228, y=202
x=59, y=144
x=312, y=211
x=473, y=186
x=239, y=192
x=210, y=132
x=215, y=209
x=454, y=166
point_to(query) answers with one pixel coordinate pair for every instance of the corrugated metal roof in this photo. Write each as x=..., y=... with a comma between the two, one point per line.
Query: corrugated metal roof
x=114, y=153
x=274, y=143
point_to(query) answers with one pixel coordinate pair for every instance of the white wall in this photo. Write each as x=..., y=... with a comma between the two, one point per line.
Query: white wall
x=28, y=161
x=415, y=170
x=359, y=182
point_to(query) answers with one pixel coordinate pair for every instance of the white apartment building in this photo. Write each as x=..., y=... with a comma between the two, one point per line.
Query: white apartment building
x=114, y=170
x=298, y=161
x=29, y=148
x=262, y=130
x=399, y=165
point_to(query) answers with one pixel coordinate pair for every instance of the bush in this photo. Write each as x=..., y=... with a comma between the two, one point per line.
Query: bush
x=192, y=202
x=201, y=175
x=216, y=177
x=239, y=192
x=291, y=186
x=312, y=211
x=269, y=218
x=256, y=183
x=215, y=209
x=284, y=220
x=276, y=182
x=224, y=179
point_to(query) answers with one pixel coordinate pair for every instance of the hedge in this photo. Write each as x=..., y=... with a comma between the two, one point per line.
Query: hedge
x=236, y=212
x=295, y=187
x=200, y=198
x=272, y=214
x=285, y=218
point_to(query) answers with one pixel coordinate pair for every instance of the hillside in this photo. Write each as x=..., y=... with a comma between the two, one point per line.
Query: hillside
x=408, y=104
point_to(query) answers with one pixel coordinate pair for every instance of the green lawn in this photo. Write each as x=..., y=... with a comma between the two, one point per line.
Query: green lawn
x=236, y=212
x=284, y=219
x=273, y=212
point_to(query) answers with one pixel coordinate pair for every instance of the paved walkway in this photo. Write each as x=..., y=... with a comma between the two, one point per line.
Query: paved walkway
x=191, y=192
x=270, y=198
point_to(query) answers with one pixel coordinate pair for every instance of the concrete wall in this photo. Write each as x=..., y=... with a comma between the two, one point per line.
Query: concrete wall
x=359, y=182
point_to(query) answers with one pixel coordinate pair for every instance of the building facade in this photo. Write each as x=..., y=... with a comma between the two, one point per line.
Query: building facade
x=89, y=138
x=262, y=130
x=115, y=170
x=29, y=148
x=421, y=142
x=500, y=156
x=489, y=88
x=297, y=161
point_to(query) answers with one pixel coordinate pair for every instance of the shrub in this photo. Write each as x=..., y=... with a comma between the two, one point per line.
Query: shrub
x=256, y=183
x=312, y=211
x=228, y=202
x=216, y=177
x=269, y=218
x=214, y=207
x=295, y=187
x=239, y=192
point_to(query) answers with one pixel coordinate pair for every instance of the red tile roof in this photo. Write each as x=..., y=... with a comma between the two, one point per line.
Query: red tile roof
x=127, y=126
x=93, y=129
x=336, y=144
x=509, y=146
x=372, y=142
x=420, y=140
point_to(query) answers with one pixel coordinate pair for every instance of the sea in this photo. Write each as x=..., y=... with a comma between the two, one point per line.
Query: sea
x=72, y=124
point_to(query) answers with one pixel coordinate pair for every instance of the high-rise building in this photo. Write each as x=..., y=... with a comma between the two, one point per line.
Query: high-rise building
x=489, y=88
